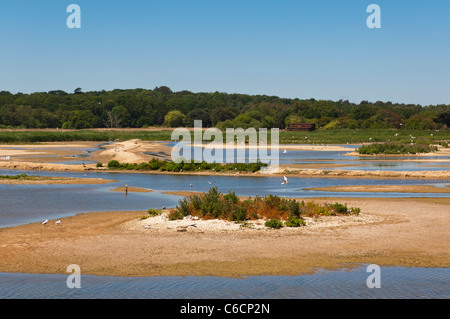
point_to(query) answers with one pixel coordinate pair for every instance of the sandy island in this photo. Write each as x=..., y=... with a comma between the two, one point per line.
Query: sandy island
x=131, y=189
x=389, y=232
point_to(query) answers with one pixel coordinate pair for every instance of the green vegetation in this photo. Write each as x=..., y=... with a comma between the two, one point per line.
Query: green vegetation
x=361, y=136
x=169, y=166
x=271, y=207
x=140, y=108
x=21, y=176
x=151, y=213
x=274, y=223
x=154, y=212
x=21, y=137
x=396, y=148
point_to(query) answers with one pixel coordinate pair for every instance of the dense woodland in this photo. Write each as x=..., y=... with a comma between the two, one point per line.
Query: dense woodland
x=140, y=108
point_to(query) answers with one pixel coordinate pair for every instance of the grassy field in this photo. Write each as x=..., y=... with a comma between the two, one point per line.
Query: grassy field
x=30, y=136
x=344, y=136
x=339, y=136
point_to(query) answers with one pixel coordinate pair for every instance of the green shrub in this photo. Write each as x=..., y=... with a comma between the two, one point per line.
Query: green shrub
x=294, y=208
x=231, y=197
x=113, y=164
x=339, y=208
x=294, y=222
x=154, y=212
x=238, y=213
x=180, y=211
x=274, y=223
x=99, y=165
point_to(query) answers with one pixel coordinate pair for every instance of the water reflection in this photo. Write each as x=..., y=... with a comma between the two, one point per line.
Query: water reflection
x=396, y=282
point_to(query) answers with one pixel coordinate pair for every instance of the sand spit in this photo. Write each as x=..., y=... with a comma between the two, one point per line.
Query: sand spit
x=122, y=189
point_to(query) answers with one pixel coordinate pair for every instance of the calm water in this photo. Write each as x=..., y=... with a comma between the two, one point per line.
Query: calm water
x=396, y=282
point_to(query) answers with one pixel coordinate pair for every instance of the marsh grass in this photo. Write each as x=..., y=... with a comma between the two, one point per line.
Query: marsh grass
x=17, y=177
x=396, y=148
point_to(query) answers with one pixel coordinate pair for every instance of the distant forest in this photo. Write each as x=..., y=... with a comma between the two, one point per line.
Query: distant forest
x=140, y=108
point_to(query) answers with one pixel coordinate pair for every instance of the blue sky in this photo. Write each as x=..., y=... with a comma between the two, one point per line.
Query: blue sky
x=307, y=49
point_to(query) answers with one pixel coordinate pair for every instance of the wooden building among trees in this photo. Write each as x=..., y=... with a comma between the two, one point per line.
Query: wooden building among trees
x=302, y=127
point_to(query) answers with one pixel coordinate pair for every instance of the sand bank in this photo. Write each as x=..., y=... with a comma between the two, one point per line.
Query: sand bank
x=402, y=232
x=122, y=189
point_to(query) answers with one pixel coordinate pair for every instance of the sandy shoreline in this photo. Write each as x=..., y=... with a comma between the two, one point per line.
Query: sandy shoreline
x=396, y=232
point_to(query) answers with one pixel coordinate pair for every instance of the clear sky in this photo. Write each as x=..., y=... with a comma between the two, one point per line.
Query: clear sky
x=319, y=49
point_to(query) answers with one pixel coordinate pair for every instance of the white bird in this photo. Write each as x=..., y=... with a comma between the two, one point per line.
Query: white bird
x=58, y=222
x=284, y=152
x=147, y=227
x=45, y=222
x=195, y=218
x=190, y=185
x=209, y=183
x=285, y=181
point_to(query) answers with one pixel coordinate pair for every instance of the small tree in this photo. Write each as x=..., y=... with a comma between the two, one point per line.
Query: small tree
x=174, y=119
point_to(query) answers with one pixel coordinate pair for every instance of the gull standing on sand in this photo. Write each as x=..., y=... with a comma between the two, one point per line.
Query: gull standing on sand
x=58, y=222
x=45, y=222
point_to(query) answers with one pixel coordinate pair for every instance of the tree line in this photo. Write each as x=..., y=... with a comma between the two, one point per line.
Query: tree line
x=140, y=108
